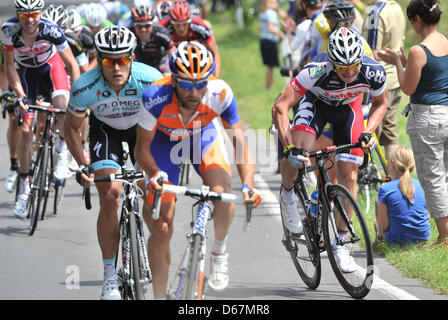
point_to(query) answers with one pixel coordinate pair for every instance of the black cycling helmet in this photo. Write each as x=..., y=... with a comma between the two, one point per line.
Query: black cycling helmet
x=339, y=11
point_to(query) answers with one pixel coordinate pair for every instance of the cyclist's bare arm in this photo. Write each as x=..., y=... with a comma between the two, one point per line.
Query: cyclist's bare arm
x=377, y=112
x=72, y=135
x=71, y=64
x=11, y=73
x=212, y=46
x=288, y=98
x=142, y=151
x=244, y=160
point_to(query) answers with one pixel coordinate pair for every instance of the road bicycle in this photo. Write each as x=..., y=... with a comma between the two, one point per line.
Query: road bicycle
x=335, y=203
x=134, y=273
x=189, y=282
x=43, y=167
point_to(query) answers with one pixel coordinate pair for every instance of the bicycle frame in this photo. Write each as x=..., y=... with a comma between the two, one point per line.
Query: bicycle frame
x=323, y=182
x=130, y=207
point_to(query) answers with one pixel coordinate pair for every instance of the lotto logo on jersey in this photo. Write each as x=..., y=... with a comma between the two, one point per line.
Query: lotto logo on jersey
x=377, y=75
x=54, y=32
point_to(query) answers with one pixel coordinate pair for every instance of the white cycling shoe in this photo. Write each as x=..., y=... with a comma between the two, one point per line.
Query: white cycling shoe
x=219, y=271
x=291, y=216
x=10, y=182
x=345, y=262
x=20, y=206
x=61, y=171
x=110, y=289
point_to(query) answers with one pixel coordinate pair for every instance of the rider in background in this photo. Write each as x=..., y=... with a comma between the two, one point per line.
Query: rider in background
x=154, y=43
x=40, y=70
x=59, y=15
x=112, y=91
x=12, y=134
x=116, y=10
x=184, y=27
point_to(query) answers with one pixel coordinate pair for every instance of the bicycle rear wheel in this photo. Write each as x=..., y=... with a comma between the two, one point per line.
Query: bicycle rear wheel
x=136, y=268
x=304, y=250
x=357, y=283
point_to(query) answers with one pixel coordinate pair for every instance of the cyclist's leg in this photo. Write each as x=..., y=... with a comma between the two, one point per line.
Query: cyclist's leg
x=161, y=229
x=306, y=128
x=58, y=87
x=347, y=129
x=216, y=173
x=325, y=140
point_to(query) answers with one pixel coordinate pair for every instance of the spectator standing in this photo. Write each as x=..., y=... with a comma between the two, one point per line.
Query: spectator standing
x=383, y=28
x=402, y=216
x=269, y=25
x=425, y=79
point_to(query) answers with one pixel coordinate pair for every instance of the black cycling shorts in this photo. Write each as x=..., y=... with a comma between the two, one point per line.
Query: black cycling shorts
x=105, y=144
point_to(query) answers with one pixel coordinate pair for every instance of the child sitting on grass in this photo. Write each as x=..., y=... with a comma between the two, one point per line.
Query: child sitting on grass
x=401, y=215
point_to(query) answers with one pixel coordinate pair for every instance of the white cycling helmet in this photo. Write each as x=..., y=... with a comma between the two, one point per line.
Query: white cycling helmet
x=57, y=14
x=115, y=40
x=74, y=18
x=26, y=5
x=345, y=47
x=95, y=14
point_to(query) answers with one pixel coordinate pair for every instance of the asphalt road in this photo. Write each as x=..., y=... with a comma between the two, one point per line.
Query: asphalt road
x=62, y=261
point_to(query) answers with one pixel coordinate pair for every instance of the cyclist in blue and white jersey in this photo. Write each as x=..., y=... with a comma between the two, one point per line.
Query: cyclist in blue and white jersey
x=327, y=92
x=112, y=91
x=36, y=54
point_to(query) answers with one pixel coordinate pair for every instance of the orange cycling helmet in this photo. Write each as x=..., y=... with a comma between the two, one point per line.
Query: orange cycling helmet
x=192, y=61
x=180, y=11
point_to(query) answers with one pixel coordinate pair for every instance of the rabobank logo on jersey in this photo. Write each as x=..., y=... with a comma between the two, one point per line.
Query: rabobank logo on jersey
x=157, y=100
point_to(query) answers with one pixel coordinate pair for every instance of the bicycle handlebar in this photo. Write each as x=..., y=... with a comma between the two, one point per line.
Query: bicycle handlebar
x=128, y=176
x=204, y=195
x=46, y=109
x=131, y=176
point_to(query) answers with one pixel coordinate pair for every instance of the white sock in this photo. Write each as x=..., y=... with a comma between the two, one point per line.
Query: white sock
x=288, y=196
x=61, y=146
x=220, y=246
x=109, y=268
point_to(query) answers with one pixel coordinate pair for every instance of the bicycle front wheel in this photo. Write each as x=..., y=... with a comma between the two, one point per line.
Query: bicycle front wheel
x=194, y=285
x=37, y=188
x=352, y=262
x=136, y=269
x=304, y=249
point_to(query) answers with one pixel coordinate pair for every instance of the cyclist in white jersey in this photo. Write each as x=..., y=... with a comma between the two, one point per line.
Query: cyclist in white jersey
x=328, y=92
x=35, y=47
x=112, y=91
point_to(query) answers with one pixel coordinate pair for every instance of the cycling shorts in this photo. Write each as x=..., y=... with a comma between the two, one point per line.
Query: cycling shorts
x=347, y=121
x=105, y=144
x=205, y=151
x=49, y=80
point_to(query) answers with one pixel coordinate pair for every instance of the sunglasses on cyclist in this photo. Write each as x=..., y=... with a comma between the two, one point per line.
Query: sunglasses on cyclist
x=187, y=85
x=143, y=25
x=344, y=68
x=27, y=15
x=111, y=62
x=180, y=22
